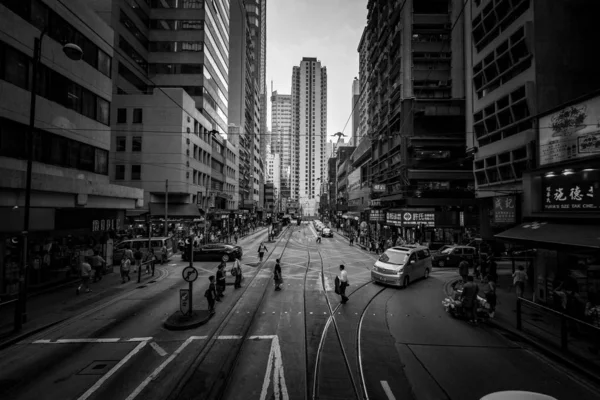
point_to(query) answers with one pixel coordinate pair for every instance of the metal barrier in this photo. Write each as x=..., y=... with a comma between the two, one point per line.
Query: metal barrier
x=568, y=333
x=142, y=266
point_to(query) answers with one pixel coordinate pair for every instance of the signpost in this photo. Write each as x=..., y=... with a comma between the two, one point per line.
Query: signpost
x=190, y=274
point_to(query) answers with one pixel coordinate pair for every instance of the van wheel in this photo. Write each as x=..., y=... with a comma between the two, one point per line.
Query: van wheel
x=426, y=273
x=406, y=281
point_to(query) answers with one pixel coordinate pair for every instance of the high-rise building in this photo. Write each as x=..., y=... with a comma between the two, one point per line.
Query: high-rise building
x=274, y=172
x=365, y=87
x=355, y=111
x=281, y=133
x=309, y=129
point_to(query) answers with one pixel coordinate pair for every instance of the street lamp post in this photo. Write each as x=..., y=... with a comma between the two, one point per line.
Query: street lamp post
x=75, y=53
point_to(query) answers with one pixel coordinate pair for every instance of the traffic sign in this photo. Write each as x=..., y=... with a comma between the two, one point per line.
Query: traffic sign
x=190, y=274
x=185, y=306
x=225, y=257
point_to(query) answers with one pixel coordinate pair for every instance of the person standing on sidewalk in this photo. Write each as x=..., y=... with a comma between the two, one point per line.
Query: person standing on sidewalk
x=98, y=264
x=221, y=280
x=277, y=277
x=125, y=267
x=519, y=280
x=469, y=299
x=211, y=294
x=86, y=272
x=261, y=251
x=343, y=277
x=351, y=238
x=137, y=256
x=490, y=294
x=237, y=272
x=463, y=270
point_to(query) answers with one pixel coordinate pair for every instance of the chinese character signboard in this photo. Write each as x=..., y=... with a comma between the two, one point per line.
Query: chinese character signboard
x=412, y=218
x=569, y=193
x=377, y=215
x=505, y=211
x=378, y=188
x=571, y=133
x=394, y=219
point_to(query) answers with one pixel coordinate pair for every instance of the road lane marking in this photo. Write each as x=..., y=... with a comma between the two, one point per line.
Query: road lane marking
x=162, y=366
x=140, y=339
x=95, y=340
x=257, y=337
x=230, y=337
x=388, y=390
x=328, y=287
x=275, y=366
x=42, y=341
x=161, y=352
x=114, y=369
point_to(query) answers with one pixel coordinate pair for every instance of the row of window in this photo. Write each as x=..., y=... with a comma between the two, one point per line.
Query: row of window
x=130, y=25
x=136, y=144
x=50, y=148
x=44, y=18
x=132, y=53
x=136, y=172
x=176, y=47
x=495, y=18
x=16, y=67
x=185, y=4
x=122, y=116
x=163, y=68
x=177, y=25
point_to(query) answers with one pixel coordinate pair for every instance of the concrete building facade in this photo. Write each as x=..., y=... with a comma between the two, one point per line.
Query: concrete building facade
x=355, y=112
x=281, y=133
x=309, y=129
x=364, y=86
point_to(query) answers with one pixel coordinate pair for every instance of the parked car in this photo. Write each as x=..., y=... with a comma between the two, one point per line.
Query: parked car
x=452, y=256
x=400, y=265
x=326, y=232
x=214, y=251
x=157, y=244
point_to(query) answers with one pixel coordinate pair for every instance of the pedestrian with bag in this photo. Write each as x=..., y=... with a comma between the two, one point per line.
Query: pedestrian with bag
x=137, y=256
x=86, y=272
x=277, y=277
x=261, y=251
x=221, y=280
x=519, y=279
x=125, y=267
x=342, y=278
x=469, y=299
x=211, y=294
x=237, y=272
x=98, y=264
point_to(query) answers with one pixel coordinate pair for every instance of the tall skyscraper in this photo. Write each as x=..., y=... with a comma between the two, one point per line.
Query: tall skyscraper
x=364, y=85
x=281, y=135
x=355, y=111
x=309, y=129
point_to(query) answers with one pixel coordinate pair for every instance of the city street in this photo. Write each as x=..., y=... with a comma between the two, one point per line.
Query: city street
x=298, y=343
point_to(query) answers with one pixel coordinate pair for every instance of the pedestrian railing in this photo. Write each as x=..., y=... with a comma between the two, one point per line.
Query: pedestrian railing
x=143, y=266
x=558, y=329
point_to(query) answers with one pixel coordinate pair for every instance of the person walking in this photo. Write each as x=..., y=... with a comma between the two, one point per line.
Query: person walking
x=235, y=236
x=221, y=280
x=150, y=260
x=351, y=239
x=519, y=280
x=469, y=299
x=97, y=264
x=261, y=251
x=128, y=253
x=137, y=256
x=463, y=270
x=277, y=277
x=125, y=267
x=318, y=239
x=343, y=278
x=490, y=294
x=211, y=294
x=492, y=268
x=86, y=272
x=237, y=272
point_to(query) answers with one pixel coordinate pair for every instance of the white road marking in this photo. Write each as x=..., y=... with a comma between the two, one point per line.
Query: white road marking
x=279, y=386
x=262, y=337
x=230, y=337
x=110, y=373
x=162, y=366
x=43, y=341
x=328, y=287
x=140, y=339
x=387, y=390
x=96, y=340
x=161, y=352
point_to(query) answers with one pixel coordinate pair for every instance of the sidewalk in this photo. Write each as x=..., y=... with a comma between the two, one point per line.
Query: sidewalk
x=356, y=243
x=53, y=307
x=540, y=329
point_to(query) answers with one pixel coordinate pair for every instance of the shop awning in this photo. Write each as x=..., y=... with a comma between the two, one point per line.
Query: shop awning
x=135, y=213
x=157, y=210
x=554, y=234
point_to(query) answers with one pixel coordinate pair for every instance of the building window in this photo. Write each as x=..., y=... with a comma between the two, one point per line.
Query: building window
x=121, y=143
x=15, y=68
x=119, y=172
x=137, y=115
x=121, y=115
x=136, y=172
x=174, y=24
x=136, y=143
x=103, y=111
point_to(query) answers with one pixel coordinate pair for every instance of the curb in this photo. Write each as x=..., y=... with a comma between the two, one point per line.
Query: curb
x=195, y=321
x=25, y=335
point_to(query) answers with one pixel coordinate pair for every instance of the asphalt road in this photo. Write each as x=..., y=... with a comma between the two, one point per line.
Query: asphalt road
x=298, y=343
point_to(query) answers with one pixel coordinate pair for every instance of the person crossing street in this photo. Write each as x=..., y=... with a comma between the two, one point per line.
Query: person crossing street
x=237, y=272
x=343, y=278
x=261, y=250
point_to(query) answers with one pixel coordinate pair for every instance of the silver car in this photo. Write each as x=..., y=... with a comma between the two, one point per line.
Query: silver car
x=400, y=265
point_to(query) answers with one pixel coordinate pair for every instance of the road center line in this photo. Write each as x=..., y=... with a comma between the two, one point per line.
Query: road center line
x=110, y=373
x=231, y=337
x=161, y=352
x=94, y=340
x=387, y=390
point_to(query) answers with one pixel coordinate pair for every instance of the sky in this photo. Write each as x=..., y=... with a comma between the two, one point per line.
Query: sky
x=329, y=30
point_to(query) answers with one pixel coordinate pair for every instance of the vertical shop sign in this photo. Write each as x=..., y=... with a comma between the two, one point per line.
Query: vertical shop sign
x=505, y=211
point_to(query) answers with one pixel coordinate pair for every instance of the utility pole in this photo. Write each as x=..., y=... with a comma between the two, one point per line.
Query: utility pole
x=166, y=208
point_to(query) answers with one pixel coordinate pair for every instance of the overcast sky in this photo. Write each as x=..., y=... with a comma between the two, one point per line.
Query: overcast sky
x=326, y=29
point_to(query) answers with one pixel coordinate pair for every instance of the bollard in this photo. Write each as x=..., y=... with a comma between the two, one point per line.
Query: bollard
x=519, y=318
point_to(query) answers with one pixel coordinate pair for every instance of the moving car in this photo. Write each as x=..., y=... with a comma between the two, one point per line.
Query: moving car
x=214, y=251
x=452, y=256
x=326, y=232
x=400, y=265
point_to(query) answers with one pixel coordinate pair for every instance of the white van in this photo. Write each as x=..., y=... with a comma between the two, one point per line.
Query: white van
x=157, y=244
x=400, y=265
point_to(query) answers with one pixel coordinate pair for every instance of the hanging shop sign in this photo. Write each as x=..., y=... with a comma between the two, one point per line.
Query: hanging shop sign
x=375, y=203
x=379, y=188
x=377, y=216
x=103, y=225
x=505, y=211
x=413, y=218
x=394, y=219
x=571, y=133
x=570, y=193
x=98, y=220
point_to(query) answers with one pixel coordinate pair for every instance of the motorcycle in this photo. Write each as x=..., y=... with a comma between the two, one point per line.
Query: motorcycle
x=453, y=306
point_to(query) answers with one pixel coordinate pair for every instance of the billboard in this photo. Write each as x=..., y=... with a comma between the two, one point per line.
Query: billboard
x=571, y=133
x=354, y=180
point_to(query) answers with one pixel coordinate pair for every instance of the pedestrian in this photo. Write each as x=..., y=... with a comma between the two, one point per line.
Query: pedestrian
x=98, y=264
x=469, y=299
x=237, y=272
x=221, y=280
x=125, y=267
x=492, y=267
x=85, y=271
x=373, y=247
x=137, y=256
x=519, y=280
x=318, y=239
x=351, y=239
x=150, y=260
x=211, y=294
x=277, y=277
x=463, y=270
x=164, y=256
x=343, y=278
x=128, y=253
x=381, y=248
x=592, y=316
x=261, y=251
x=490, y=294
x=235, y=236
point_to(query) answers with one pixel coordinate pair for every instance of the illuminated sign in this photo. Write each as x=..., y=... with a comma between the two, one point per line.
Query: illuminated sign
x=505, y=211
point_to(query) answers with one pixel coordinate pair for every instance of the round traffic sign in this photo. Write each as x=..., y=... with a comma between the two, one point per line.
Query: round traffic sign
x=225, y=257
x=190, y=274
